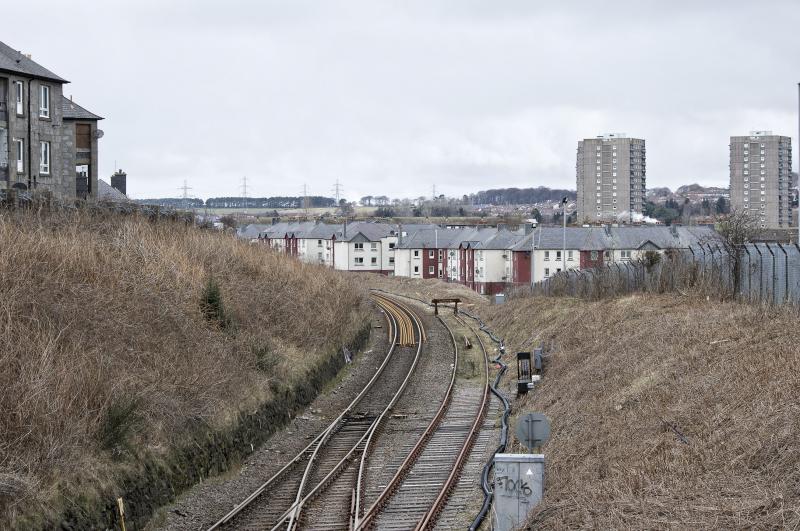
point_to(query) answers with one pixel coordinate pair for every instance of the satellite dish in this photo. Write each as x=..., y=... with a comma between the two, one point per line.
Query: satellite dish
x=99, y=133
x=533, y=430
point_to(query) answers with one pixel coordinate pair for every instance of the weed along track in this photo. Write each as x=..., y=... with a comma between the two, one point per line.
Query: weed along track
x=324, y=472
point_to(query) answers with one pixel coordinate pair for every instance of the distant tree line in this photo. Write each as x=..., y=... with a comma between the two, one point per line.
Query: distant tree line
x=173, y=202
x=521, y=196
x=314, y=201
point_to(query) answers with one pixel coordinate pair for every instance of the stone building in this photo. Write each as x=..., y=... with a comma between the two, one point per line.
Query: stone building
x=48, y=143
x=611, y=179
x=761, y=165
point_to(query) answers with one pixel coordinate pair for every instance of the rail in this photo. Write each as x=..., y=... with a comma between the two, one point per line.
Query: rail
x=403, y=314
x=368, y=520
x=503, y=443
x=395, y=339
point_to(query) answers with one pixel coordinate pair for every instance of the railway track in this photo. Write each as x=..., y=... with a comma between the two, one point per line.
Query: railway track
x=334, y=482
x=280, y=501
x=419, y=489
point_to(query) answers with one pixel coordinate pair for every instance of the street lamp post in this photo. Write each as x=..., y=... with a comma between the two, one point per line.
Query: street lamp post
x=533, y=252
x=564, y=249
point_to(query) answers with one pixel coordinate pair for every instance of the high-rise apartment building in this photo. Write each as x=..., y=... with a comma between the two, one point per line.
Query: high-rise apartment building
x=611, y=174
x=760, y=167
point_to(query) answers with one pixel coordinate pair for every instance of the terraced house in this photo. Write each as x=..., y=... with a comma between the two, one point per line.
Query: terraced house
x=487, y=260
x=48, y=143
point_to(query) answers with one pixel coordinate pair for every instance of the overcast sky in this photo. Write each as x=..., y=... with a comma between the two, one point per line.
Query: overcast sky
x=394, y=97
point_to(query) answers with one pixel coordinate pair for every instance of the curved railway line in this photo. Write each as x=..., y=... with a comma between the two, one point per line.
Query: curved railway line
x=325, y=485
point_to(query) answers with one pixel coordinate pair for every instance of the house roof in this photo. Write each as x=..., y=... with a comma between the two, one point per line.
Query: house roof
x=251, y=231
x=106, y=192
x=15, y=62
x=73, y=111
x=371, y=231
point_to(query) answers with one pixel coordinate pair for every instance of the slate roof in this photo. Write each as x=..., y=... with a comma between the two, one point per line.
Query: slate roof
x=73, y=111
x=251, y=231
x=13, y=61
x=580, y=238
x=371, y=231
x=106, y=192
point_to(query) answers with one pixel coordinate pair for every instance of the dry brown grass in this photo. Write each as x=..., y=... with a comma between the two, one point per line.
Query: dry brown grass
x=627, y=376
x=104, y=348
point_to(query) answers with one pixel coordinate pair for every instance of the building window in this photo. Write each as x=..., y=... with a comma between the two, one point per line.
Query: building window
x=358, y=246
x=373, y=246
x=44, y=160
x=391, y=260
x=44, y=101
x=19, y=98
x=430, y=253
x=547, y=255
x=594, y=255
x=319, y=243
x=547, y=271
x=569, y=255
x=359, y=261
x=19, y=149
x=625, y=255
x=391, y=245
x=430, y=270
x=374, y=260
x=416, y=270
x=558, y=255
x=416, y=254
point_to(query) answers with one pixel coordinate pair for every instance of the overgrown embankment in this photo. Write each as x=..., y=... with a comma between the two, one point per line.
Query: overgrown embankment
x=667, y=411
x=124, y=341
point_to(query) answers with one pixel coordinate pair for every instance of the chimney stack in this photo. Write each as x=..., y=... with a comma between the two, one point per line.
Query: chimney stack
x=119, y=181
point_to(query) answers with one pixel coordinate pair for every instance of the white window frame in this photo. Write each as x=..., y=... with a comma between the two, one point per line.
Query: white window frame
x=431, y=270
x=19, y=145
x=19, y=89
x=358, y=260
x=373, y=260
x=358, y=247
x=44, y=158
x=44, y=101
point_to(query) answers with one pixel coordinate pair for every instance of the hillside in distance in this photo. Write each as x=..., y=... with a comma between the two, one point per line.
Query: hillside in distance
x=522, y=196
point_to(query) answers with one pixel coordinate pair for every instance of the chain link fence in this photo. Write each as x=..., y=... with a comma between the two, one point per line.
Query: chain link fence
x=762, y=272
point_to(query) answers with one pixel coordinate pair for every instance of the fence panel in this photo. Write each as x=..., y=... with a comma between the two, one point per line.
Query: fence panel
x=780, y=280
x=792, y=273
x=767, y=273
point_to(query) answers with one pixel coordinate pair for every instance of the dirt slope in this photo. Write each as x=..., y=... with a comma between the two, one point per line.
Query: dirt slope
x=667, y=411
